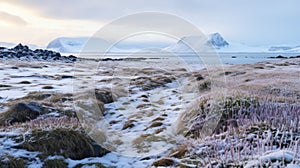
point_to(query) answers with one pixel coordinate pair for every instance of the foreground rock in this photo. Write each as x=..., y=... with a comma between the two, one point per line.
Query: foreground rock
x=22, y=112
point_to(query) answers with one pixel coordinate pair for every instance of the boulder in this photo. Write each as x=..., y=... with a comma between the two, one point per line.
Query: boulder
x=104, y=95
x=22, y=112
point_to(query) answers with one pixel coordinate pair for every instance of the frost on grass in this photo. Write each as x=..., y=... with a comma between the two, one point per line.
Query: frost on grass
x=258, y=126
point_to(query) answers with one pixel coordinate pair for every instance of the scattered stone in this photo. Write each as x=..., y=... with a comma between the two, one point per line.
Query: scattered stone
x=198, y=76
x=24, y=82
x=298, y=56
x=144, y=96
x=3, y=85
x=128, y=124
x=47, y=87
x=66, y=76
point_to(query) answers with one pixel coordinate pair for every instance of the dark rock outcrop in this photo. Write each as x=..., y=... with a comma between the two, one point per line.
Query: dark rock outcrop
x=217, y=40
x=279, y=57
x=23, y=52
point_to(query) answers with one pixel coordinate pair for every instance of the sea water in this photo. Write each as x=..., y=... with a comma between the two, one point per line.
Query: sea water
x=192, y=58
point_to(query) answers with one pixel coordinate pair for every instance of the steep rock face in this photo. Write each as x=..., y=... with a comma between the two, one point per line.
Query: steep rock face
x=217, y=40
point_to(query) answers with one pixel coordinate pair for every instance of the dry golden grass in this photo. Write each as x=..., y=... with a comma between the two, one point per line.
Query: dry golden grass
x=164, y=162
x=155, y=124
x=65, y=142
x=128, y=124
x=12, y=162
x=55, y=163
x=179, y=151
x=158, y=119
x=274, y=81
x=257, y=98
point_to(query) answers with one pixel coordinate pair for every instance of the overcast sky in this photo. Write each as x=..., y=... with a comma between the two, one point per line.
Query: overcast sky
x=252, y=21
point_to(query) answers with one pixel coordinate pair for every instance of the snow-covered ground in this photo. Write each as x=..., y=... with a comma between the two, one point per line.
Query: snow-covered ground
x=153, y=112
x=142, y=124
x=23, y=77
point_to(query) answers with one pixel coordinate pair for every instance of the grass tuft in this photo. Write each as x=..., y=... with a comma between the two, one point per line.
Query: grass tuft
x=65, y=142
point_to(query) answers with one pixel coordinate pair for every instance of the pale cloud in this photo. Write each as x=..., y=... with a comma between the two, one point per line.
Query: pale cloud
x=39, y=29
x=252, y=21
x=11, y=19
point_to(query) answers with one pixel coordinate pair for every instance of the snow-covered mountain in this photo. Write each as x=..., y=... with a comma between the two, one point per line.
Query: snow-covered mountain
x=284, y=49
x=210, y=42
x=7, y=45
x=216, y=40
x=295, y=49
x=77, y=44
x=242, y=47
x=182, y=44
